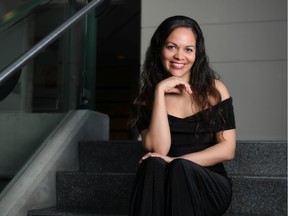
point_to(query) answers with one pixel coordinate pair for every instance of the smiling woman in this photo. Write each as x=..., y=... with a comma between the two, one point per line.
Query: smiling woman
x=179, y=54
x=186, y=121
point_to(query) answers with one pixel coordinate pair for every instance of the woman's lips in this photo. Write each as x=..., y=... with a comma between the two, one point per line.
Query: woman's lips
x=177, y=65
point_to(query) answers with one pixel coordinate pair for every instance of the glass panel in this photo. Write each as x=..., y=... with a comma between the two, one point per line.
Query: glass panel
x=13, y=10
x=48, y=87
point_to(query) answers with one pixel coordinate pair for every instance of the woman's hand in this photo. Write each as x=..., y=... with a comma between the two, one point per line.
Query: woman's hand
x=157, y=137
x=153, y=154
x=174, y=85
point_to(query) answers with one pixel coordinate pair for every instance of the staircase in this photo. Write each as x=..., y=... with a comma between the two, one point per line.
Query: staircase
x=107, y=170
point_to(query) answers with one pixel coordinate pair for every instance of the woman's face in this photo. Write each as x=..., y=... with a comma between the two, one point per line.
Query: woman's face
x=179, y=52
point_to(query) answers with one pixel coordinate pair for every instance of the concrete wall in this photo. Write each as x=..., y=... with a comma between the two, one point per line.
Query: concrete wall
x=21, y=135
x=246, y=43
x=35, y=185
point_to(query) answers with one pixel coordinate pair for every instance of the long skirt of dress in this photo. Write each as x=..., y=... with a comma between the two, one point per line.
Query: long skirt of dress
x=179, y=188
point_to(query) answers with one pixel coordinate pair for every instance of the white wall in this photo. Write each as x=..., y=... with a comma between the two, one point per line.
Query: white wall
x=246, y=42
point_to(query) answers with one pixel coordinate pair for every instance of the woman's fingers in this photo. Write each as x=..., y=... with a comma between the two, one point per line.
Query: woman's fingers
x=175, y=85
x=153, y=154
x=188, y=88
x=145, y=157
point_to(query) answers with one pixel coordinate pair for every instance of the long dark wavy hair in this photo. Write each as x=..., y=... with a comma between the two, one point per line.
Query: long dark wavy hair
x=202, y=79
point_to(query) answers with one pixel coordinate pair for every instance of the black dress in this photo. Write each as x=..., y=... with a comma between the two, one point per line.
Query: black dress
x=181, y=187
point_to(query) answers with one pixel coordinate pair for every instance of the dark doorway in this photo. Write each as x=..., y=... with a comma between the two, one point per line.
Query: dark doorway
x=118, y=64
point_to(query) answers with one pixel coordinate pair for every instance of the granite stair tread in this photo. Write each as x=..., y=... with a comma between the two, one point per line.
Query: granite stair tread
x=90, y=190
x=110, y=156
x=265, y=158
x=55, y=211
x=263, y=196
x=94, y=190
x=107, y=170
x=254, y=158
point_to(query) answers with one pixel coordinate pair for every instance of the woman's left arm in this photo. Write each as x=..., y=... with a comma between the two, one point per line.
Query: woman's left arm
x=223, y=150
x=225, y=146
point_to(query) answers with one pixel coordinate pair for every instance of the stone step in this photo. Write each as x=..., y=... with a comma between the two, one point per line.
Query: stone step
x=109, y=191
x=110, y=156
x=252, y=195
x=107, y=172
x=259, y=158
x=253, y=158
x=265, y=196
x=54, y=211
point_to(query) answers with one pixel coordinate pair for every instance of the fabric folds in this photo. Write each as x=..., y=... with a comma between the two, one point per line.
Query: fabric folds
x=182, y=187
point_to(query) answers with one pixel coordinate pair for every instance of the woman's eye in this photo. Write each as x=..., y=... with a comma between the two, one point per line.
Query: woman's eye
x=170, y=47
x=189, y=49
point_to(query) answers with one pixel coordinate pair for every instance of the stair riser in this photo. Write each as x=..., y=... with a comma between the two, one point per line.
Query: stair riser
x=259, y=159
x=91, y=191
x=259, y=177
x=110, y=156
x=259, y=196
x=252, y=158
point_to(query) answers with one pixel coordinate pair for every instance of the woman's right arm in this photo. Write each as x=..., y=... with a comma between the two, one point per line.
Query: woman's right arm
x=157, y=137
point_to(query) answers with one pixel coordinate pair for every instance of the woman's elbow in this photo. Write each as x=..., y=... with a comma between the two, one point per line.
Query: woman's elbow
x=230, y=155
x=161, y=146
x=158, y=148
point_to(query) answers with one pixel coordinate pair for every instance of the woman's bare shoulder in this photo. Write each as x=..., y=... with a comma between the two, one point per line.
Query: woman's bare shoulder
x=221, y=87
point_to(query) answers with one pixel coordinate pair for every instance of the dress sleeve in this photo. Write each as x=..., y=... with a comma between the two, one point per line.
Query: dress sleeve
x=227, y=112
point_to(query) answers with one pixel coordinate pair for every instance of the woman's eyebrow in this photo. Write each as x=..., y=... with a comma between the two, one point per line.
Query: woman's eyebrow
x=169, y=42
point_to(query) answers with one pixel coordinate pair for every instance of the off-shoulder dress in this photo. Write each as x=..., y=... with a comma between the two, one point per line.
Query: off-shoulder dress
x=182, y=187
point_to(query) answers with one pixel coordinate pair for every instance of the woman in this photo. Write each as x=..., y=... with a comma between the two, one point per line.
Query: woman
x=186, y=121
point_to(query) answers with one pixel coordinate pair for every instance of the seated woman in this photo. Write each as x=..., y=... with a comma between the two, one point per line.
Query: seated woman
x=186, y=120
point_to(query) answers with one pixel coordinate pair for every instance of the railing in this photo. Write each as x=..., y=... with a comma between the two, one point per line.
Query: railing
x=17, y=64
x=19, y=142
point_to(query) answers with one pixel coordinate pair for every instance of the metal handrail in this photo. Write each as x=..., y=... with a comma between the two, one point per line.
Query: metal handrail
x=42, y=44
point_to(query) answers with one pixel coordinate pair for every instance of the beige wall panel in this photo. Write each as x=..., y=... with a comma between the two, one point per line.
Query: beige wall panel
x=259, y=90
x=246, y=41
x=214, y=11
x=146, y=35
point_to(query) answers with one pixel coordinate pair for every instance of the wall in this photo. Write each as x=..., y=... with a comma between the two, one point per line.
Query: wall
x=246, y=43
x=18, y=142
x=34, y=187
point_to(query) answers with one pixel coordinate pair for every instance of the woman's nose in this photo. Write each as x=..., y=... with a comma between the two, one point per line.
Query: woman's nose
x=179, y=55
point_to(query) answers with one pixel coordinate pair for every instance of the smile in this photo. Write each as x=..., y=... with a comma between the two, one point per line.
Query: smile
x=178, y=65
